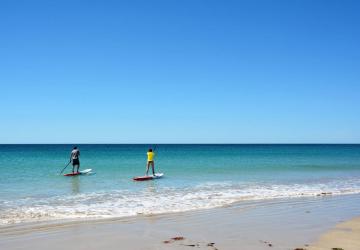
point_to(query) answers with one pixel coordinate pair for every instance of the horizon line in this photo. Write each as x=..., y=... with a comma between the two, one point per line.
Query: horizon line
x=195, y=143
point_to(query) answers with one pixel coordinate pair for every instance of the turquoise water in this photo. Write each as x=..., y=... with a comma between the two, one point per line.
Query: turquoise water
x=196, y=177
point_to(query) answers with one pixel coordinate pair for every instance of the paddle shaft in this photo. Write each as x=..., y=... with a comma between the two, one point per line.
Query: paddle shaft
x=65, y=167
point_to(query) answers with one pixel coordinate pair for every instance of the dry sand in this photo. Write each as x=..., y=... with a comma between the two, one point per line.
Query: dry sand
x=345, y=236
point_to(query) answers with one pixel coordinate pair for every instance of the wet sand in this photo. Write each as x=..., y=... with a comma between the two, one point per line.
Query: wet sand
x=273, y=224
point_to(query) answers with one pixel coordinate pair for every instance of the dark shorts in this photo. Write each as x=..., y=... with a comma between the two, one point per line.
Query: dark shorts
x=75, y=162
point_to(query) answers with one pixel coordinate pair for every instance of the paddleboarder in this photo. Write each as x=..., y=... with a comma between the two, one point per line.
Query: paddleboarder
x=74, y=158
x=150, y=161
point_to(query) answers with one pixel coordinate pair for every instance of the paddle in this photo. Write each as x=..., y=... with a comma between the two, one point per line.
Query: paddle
x=65, y=167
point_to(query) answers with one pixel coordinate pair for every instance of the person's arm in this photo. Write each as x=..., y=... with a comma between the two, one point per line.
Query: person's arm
x=71, y=156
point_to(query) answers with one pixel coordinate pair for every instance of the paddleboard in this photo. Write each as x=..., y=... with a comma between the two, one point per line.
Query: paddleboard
x=148, y=177
x=85, y=171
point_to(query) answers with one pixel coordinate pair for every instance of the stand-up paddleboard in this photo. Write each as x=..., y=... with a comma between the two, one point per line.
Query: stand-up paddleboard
x=148, y=177
x=85, y=171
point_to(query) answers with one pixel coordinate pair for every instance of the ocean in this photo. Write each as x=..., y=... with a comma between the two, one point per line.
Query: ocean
x=195, y=177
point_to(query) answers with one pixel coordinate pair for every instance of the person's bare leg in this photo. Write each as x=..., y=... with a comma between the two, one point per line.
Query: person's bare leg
x=153, y=168
x=147, y=168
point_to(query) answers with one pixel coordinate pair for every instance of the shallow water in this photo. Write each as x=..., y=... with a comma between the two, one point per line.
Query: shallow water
x=196, y=177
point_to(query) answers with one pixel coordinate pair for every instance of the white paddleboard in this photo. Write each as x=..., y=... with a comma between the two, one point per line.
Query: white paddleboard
x=158, y=175
x=85, y=171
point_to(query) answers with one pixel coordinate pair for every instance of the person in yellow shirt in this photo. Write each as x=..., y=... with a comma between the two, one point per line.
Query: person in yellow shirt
x=150, y=161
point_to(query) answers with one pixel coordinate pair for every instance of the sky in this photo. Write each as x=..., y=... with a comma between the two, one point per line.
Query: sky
x=172, y=71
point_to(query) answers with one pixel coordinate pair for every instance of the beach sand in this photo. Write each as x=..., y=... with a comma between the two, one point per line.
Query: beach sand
x=345, y=236
x=274, y=224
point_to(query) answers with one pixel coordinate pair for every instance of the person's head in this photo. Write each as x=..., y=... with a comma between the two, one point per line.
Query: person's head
x=150, y=150
x=75, y=147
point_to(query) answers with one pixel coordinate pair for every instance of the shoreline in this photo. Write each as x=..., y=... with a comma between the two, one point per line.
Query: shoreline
x=285, y=224
x=243, y=203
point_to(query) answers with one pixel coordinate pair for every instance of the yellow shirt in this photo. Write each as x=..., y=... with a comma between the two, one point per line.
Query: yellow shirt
x=150, y=156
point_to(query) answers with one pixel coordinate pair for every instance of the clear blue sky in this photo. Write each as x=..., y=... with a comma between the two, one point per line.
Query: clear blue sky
x=179, y=71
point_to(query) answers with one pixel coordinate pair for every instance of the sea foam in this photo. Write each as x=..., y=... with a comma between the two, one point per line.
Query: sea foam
x=147, y=201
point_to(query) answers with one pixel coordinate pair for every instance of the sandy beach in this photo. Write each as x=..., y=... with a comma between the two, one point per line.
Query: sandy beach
x=344, y=236
x=274, y=224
